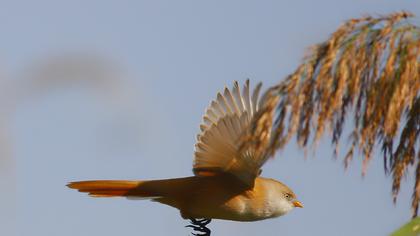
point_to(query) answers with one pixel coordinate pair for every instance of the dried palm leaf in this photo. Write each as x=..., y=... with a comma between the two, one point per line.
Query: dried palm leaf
x=367, y=71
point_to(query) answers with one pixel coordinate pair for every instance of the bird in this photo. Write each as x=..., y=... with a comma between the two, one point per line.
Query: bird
x=227, y=182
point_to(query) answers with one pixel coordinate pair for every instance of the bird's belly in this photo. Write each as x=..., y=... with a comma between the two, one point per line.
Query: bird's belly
x=238, y=208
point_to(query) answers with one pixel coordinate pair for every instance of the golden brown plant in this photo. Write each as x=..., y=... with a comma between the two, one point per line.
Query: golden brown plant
x=367, y=71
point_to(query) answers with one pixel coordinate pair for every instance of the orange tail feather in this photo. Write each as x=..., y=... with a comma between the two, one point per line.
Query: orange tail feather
x=111, y=188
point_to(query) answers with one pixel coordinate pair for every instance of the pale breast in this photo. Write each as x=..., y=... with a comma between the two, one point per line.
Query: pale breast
x=265, y=200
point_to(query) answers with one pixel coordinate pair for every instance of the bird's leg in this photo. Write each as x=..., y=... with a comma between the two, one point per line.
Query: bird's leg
x=200, y=225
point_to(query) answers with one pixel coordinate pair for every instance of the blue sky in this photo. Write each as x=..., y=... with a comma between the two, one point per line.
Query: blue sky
x=135, y=115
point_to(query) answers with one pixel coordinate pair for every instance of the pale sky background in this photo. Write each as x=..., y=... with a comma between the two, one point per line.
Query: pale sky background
x=141, y=74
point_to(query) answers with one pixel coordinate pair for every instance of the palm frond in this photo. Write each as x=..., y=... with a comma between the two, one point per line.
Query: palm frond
x=367, y=71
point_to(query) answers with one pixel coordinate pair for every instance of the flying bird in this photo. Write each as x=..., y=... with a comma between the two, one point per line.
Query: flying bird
x=226, y=184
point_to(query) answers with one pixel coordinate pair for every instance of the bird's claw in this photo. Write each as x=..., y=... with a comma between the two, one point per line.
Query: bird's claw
x=200, y=225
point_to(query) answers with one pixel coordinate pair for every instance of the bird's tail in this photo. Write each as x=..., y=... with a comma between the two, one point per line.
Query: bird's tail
x=149, y=189
x=109, y=188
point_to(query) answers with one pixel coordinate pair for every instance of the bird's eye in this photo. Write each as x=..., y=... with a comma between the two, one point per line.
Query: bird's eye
x=287, y=196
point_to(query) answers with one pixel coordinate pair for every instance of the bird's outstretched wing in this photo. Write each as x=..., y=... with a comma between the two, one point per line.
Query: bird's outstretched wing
x=226, y=121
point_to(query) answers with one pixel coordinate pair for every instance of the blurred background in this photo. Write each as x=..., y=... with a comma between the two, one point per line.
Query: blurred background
x=116, y=90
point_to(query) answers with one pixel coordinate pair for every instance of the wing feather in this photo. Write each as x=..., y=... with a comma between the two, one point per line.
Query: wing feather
x=255, y=95
x=238, y=98
x=247, y=99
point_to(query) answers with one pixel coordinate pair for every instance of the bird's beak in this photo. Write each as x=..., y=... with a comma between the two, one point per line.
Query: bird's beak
x=298, y=204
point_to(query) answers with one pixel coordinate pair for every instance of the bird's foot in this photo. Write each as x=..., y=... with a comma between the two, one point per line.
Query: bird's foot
x=200, y=225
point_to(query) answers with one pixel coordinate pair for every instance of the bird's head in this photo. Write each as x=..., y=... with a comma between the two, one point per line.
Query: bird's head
x=286, y=199
x=290, y=197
